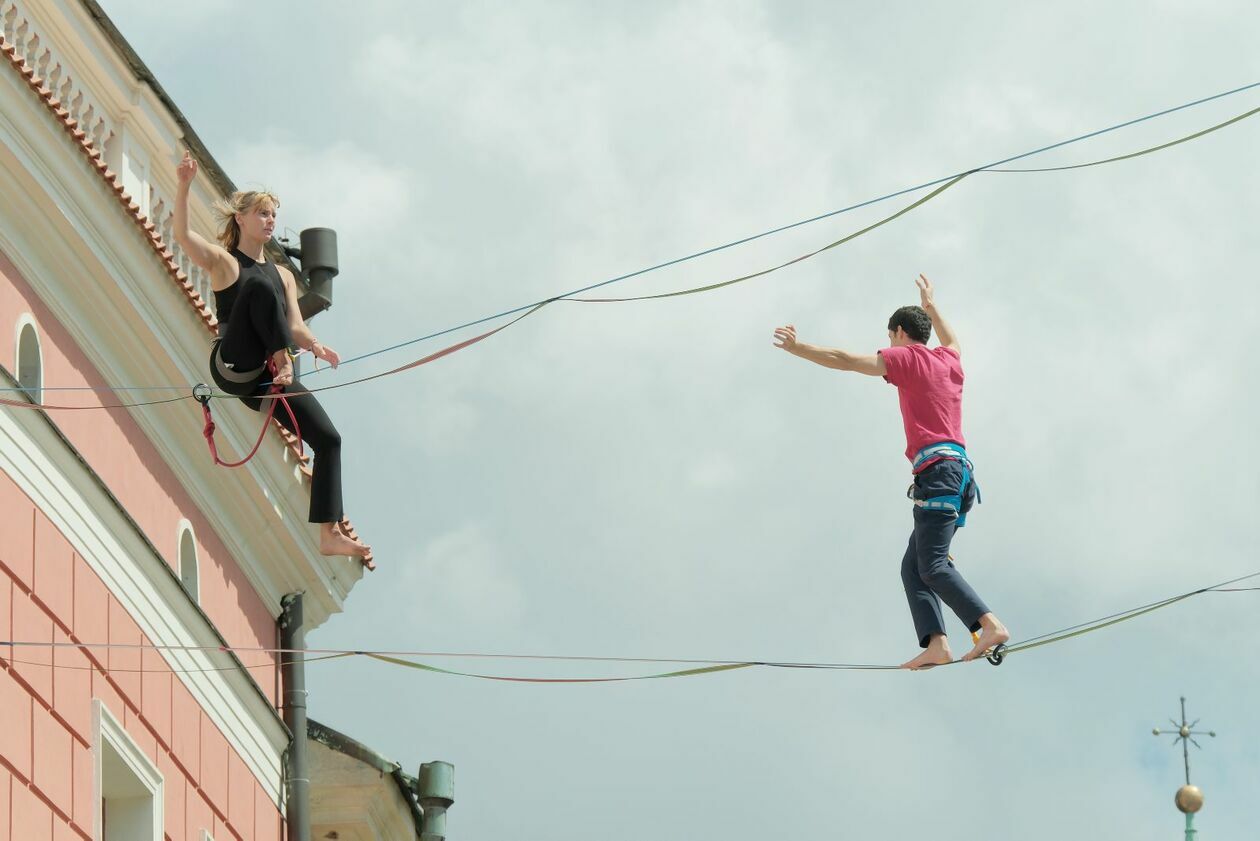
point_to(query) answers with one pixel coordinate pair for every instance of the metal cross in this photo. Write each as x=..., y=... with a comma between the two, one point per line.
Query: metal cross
x=1185, y=734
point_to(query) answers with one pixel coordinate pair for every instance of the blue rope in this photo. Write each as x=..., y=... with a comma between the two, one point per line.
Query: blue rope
x=716, y=248
x=783, y=228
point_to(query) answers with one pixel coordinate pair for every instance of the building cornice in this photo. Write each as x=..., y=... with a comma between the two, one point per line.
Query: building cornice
x=100, y=280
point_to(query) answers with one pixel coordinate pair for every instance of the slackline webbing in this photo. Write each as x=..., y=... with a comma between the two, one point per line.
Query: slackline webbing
x=571, y=296
x=710, y=287
x=1158, y=148
x=433, y=357
x=697, y=666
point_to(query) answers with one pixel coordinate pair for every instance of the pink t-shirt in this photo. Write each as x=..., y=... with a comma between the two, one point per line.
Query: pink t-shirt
x=929, y=385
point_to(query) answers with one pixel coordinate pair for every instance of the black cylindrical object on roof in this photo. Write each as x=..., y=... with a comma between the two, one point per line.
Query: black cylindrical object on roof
x=319, y=263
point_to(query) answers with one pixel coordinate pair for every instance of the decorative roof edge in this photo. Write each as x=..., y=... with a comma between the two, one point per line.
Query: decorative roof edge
x=148, y=228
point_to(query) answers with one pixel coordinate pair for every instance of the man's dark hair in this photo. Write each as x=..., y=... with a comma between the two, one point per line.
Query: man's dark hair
x=914, y=320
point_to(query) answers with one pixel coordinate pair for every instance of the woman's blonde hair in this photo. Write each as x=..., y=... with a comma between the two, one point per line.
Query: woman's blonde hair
x=242, y=201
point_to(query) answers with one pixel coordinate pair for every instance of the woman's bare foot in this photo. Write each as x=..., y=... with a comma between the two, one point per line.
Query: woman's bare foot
x=332, y=541
x=937, y=653
x=992, y=634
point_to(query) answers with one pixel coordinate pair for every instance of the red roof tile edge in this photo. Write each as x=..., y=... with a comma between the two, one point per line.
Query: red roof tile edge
x=146, y=226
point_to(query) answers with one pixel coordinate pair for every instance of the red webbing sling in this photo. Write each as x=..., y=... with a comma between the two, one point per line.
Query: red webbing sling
x=202, y=395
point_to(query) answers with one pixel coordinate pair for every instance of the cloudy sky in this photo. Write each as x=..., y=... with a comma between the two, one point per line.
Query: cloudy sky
x=655, y=479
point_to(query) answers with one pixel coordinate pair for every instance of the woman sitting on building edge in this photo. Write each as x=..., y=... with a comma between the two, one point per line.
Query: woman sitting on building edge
x=259, y=320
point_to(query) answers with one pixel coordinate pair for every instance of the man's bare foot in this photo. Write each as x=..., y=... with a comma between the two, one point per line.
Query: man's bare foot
x=936, y=654
x=992, y=634
x=332, y=541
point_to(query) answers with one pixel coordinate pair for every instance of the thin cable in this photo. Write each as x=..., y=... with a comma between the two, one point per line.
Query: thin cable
x=1158, y=148
x=169, y=669
x=569, y=295
x=1134, y=611
x=722, y=284
x=26, y=404
x=1062, y=633
x=782, y=228
x=433, y=357
x=100, y=388
x=714, y=286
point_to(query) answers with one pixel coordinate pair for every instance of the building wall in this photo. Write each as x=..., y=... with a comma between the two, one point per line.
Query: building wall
x=93, y=501
x=50, y=593
x=117, y=451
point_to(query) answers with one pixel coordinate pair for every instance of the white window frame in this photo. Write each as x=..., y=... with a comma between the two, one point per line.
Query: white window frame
x=24, y=321
x=185, y=529
x=107, y=731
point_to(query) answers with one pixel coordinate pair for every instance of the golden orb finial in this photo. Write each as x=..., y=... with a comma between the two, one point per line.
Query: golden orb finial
x=1189, y=799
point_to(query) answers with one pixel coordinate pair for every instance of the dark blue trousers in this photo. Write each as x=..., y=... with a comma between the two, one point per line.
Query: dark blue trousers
x=926, y=570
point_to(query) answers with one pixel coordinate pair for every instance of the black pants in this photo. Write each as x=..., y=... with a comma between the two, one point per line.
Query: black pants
x=927, y=573
x=257, y=328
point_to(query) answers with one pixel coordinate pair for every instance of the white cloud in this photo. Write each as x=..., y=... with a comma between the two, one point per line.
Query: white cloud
x=713, y=471
x=464, y=578
x=655, y=478
x=343, y=186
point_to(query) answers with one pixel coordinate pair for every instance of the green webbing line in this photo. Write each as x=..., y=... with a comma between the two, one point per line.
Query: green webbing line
x=713, y=666
x=1115, y=619
x=1027, y=646
x=682, y=673
x=1136, y=154
x=712, y=286
x=1034, y=642
x=762, y=273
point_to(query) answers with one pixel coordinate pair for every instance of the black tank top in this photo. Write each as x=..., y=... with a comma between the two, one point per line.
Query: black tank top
x=224, y=299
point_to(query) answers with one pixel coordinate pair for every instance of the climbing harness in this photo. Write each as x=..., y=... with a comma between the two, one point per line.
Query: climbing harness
x=945, y=451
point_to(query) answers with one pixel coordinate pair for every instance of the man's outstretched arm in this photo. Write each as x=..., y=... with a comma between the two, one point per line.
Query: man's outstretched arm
x=944, y=333
x=872, y=365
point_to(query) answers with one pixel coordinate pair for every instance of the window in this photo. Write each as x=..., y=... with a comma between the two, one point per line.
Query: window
x=30, y=359
x=188, y=566
x=128, y=786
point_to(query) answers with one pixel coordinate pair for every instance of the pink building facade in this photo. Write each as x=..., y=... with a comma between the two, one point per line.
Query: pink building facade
x=137, y=579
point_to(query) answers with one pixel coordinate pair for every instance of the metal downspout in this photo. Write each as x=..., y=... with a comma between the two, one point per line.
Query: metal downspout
x=293, y=672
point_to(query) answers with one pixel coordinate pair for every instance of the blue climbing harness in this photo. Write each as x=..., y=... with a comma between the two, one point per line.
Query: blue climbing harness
x=946, y=451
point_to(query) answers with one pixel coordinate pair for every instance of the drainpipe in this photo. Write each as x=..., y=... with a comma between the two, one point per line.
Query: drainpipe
x=293, y=674
x=436, y=792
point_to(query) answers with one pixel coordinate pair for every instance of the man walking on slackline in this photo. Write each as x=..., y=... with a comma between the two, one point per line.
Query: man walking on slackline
x=929, y=385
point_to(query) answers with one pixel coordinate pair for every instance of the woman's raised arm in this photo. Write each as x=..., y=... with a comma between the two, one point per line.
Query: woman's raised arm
x=207, y=255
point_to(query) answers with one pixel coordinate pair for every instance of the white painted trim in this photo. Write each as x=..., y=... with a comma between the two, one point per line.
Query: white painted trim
x=106, y=730
x=53, y=477
x=45, y=252
x=186, y=528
